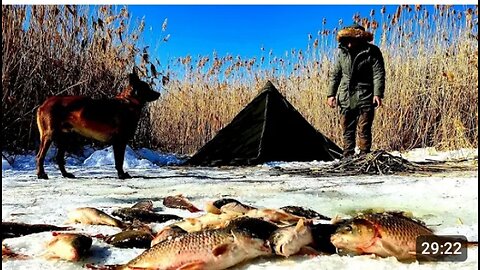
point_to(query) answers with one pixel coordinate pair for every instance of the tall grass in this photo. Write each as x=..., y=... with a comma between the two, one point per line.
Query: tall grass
x=62, y=50
x=431, y=75
x=431, y=63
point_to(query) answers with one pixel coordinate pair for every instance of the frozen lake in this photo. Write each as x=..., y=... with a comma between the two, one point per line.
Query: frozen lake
x=447, y=202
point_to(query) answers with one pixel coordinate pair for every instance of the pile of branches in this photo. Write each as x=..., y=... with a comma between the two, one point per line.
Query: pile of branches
x=375, y=163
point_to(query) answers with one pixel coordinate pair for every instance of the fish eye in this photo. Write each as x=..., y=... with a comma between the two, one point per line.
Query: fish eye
x=348, y=228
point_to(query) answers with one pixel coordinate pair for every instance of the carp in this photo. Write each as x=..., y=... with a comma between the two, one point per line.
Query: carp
x=144, y=205
x=68, y=246
x=131, y=214
x=130, y=239
x=289, y=240
x=93, y=216
x=207, y=221
x=243, y=239
x=304, y=212
x=180, y=202
x=227, y=204
x=383, y=234
x=168, y=232
x=16, y=229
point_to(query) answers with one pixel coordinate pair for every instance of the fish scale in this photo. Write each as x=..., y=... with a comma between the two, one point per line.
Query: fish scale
x=212, y=249
x=384, y=234
x=398, y=227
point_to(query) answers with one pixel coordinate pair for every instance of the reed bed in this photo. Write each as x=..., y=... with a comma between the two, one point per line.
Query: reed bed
x=431, y=95
x=431, y=58
x=63, y=50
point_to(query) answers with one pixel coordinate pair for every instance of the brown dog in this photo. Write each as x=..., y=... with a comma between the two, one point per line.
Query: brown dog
x=112, y=121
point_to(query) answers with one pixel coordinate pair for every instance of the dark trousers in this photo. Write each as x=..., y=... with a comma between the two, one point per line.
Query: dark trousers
x=351, y=120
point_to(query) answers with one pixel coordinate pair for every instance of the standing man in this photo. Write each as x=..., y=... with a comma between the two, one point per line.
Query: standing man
x=357, y=86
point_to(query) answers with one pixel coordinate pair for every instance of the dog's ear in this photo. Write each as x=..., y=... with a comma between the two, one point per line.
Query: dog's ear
x=133, y=78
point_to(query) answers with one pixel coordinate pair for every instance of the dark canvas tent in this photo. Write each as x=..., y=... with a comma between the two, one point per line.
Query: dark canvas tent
x=268, y=129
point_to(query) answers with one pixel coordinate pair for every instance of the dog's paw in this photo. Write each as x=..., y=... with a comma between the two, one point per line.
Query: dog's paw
x=42, y=176
x=124, y=175
x=68, y=175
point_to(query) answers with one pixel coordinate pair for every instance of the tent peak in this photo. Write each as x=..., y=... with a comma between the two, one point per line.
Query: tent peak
x=269, y=87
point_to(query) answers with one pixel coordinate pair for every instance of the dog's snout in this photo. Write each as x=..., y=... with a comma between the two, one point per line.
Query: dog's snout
x=153, y=95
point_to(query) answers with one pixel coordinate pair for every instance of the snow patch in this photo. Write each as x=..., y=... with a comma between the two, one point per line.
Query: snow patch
x=6, y=165
x=160, y=158
x=105, y=157
x=141, y=158
x=432, y=154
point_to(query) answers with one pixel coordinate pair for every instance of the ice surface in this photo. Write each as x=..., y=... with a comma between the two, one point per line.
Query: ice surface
x=447, y=202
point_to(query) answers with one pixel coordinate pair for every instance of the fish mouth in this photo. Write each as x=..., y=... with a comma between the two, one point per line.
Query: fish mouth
x=338, y=242
x=334, y=239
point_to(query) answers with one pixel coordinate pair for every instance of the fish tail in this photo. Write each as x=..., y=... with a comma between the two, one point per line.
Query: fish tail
x=472, y=244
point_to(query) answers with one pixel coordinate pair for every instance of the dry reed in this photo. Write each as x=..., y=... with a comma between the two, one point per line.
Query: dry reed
x=62, y=50
x=431, y=63
x=431, y=95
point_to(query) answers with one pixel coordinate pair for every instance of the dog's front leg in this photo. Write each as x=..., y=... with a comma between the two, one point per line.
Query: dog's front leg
x=119, y=154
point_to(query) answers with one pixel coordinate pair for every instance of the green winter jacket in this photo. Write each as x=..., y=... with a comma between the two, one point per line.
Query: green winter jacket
x=356, y=81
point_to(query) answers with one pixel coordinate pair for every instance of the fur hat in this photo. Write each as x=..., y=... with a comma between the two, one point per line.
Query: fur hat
x=354, y=31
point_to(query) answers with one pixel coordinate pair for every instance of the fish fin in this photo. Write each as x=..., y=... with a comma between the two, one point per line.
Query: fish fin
x=336, y=219
x=210, y=208
x=421, y=257
x=197, y=265
x=300, y=225
x=192, y=221
x=229, y=212
x=472, y=244
x=220, y=249
x=395, y=251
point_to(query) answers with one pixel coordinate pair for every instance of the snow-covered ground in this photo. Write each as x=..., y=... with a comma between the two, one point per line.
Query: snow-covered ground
x=447, y=202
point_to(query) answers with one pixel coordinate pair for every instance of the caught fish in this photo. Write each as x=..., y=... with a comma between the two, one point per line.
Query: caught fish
x=216, y=221
x=180, y=202
x=207, y=221
x=273, y=215
x=287, y=241
x=130, y=239
x=132, y=214
x=304, y=212
x=144, y=205
x=138, y=226
x=93, y=216
x=227, y=204
x=15, y=229
x=263, y=229
x=383, y=234
x=168, y=232
x=208, y=250
x=68, y=246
